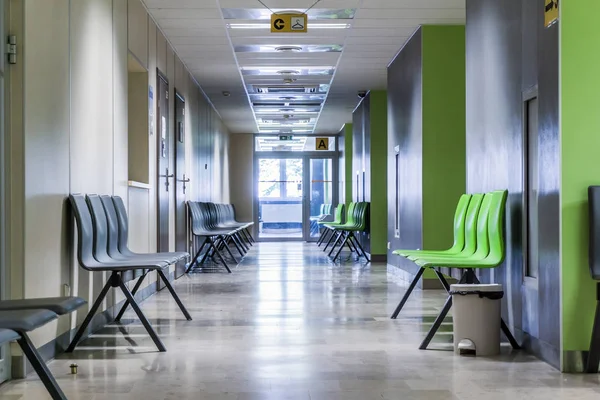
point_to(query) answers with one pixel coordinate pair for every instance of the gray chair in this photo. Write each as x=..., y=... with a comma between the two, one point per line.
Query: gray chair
x=105, y=251
x=123, y=228
x=15, y=324
x=87, y=260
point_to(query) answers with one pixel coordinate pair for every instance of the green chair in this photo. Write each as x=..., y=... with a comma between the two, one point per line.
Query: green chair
x=357, y=223
x=330, y=225
x=459, y=231
x=489, y=254
x=338, y=219
x=469, y=238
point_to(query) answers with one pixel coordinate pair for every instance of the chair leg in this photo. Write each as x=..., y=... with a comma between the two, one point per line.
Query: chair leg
x=174, y=294
x=195, y=260
x=91, y=313
x=436, y=324
x=408, y=293
x=344, y=243
x=159, y=344
x=226, y=247
x=322, y=237
x=472, y=279
x=40, y=367
x=250, y=235
x=593, y=359
x=443, y=280
x=133, y=292
x=240, y=248
x=331, y=238
x=338, y=238
x=363, y=250
x=218, y=253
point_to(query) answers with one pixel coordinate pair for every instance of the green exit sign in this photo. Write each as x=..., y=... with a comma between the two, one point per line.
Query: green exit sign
x=286, y=137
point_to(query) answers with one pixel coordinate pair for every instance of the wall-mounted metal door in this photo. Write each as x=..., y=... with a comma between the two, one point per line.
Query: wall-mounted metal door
x=182, y=182
x=164, y=176
x=4, y=350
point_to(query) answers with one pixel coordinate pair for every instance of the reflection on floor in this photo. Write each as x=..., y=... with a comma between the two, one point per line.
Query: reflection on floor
x=289, y=324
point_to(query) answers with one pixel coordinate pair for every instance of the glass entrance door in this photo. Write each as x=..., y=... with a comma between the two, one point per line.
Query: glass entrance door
x=280, y=198
x=320, y=197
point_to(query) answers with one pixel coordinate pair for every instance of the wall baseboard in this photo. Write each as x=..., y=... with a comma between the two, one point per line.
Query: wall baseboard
x=378, y=258
x=542, y=350
x=20, y=367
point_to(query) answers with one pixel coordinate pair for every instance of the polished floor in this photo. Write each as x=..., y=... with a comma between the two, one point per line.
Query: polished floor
x=289, y=324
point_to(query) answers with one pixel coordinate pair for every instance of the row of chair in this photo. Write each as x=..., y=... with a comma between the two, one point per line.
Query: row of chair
x=343, y=233
x=324, y=212
x=478, y=243
x=213, y=228
x=102, y=230
x=19, y=317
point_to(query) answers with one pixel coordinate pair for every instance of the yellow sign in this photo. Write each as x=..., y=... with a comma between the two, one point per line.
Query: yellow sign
x=550, y=12
x=322, y=143
x=289, y=23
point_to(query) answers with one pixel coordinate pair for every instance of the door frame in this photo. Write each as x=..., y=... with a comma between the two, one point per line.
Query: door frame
x=5, y=22
x=305, y=156
x=159, y=178
x=180, y=267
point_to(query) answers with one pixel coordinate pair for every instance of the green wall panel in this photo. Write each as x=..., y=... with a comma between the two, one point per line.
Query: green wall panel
x=580, y=149
x=348, y=163
x=378, y=212
x=444, y=147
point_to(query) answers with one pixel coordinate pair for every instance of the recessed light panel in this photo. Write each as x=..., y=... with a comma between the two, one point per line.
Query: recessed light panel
x=264, y=14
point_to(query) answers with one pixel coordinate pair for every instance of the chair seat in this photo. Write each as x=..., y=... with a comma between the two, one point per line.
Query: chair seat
x=25, y=320
x=6, y=335
x=487, y=262
x=58, y=305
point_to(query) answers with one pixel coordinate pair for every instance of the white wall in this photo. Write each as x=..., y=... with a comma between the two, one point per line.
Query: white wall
x=241, y=175
x=69, y=134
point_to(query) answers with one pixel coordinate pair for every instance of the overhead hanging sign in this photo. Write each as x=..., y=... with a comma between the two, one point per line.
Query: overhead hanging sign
x=289, y=23
x=322, y=143
x=550, y=12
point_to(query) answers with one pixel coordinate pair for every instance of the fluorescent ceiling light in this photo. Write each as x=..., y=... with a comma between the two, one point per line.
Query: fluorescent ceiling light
x=275, y=70
x=267, y=26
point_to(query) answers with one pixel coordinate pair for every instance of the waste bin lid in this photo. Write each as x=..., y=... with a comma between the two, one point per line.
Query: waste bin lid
x=494, y=287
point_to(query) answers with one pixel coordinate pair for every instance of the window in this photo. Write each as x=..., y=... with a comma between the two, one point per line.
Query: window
x=531, y=185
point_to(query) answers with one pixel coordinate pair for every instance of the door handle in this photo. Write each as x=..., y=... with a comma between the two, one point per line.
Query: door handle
x=166, y=176
x=184, y=180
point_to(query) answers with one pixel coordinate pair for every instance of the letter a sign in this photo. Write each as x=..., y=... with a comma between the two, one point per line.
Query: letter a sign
x=322, y=143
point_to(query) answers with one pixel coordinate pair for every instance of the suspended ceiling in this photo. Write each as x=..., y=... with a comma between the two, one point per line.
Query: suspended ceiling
x=298, y=83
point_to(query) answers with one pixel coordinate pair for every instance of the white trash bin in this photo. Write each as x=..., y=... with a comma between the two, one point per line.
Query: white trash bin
x=476, y=311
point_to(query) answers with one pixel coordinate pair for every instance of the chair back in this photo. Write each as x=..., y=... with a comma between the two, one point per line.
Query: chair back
x=123, y=222
x=483, y=242
x=113, y=226
x=350, y=214
x=85, y=232
x=460, y=217
x=339, y=213
x=362, y=216
x=471, y=224
x=496, y=227
x=594, y=241
x=100, y=228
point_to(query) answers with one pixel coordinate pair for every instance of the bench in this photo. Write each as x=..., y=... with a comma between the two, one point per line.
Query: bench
x=96, y=252
x=215, y=231
x=481, y=246
x=356, y=221
x=18, y=317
